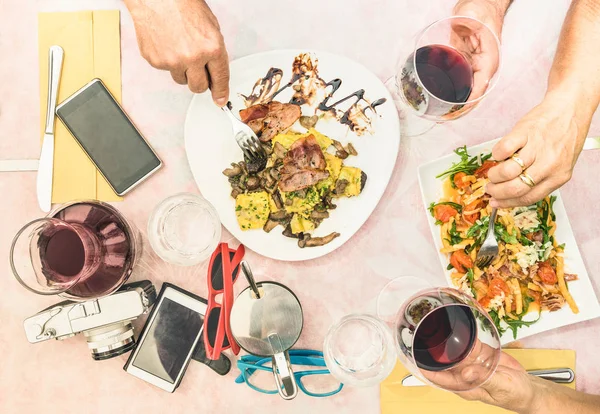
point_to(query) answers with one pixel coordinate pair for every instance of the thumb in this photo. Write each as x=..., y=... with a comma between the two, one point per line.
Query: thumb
x=218, y=70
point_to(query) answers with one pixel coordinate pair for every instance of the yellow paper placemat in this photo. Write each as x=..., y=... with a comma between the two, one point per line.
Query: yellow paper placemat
x=396, y=398
x=91, y=41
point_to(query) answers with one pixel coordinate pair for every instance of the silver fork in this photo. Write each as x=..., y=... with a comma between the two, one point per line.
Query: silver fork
x=489, y=249
x=245, y=137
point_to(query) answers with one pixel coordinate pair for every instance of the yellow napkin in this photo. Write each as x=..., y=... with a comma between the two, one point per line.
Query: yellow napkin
x=91, y=41
x=396, y=398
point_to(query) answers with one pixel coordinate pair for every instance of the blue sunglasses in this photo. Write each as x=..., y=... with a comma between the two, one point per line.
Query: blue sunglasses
x=249, y=364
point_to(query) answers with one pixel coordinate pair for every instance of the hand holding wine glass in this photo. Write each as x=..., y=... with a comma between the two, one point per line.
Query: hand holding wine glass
x=479, y=49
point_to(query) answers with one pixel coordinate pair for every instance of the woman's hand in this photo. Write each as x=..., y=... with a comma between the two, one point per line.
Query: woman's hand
x=183, y=37
x=548, y=141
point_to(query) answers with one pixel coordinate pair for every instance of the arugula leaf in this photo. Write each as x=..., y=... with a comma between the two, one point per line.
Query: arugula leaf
x=454, y=235
x=449, y=267
x=514, y=325
x=455, y=206
x=497, y=321
x=467, y=164
x=510, y=238
x=525, y=241
x=470, y=277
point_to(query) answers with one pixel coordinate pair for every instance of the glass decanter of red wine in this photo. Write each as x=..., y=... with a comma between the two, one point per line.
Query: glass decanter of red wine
x=445, y=338
x=453, y=65
x=82, y=250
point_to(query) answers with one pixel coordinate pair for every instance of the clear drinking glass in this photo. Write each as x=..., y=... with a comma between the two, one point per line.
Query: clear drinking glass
x=453, y=65
x=184, y=229
x=48, y=256
x=359, y=350
x=445, y=338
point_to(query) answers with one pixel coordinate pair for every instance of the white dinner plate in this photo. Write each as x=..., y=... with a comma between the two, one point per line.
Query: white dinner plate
x=211, y=148
x=581, y=290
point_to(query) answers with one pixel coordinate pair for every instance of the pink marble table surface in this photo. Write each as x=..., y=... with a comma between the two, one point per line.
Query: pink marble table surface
x=61, y=376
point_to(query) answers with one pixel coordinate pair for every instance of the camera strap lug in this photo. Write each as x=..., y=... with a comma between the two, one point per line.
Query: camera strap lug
x=83, y=310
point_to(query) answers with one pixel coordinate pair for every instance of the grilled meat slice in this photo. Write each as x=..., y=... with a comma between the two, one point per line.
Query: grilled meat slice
x=305, y=153
x=268, y=120
x=301, y=179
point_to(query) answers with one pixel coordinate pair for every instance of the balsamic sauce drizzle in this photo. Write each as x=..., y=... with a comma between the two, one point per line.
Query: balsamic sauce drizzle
x=264, y=89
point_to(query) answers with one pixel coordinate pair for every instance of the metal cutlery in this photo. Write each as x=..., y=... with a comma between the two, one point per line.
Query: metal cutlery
x=245, y=137
x=44, y=177
x=489, y=250
x=558, y=375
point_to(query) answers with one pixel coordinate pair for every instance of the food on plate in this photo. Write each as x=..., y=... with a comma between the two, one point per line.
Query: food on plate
x=268, y=120
x=296, y=188
x=528, y=275
x=308, y=89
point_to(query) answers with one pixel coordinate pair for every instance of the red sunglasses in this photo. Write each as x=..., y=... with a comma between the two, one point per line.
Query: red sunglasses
x=223, y=271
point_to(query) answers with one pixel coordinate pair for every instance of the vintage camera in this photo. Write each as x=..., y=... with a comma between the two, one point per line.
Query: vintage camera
x=105, y=322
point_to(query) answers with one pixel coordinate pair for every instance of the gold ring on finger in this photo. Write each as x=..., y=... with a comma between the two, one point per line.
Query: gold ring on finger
x=515, y=157
x=526, y=178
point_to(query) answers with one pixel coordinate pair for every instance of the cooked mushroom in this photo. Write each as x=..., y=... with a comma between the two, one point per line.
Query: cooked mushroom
x=341, y=154
x=351, y=150
x=277, y=199
x=253, y=183
x=308, y=241
x=256, y=164
x=279, y=150
x=267, y=147
x=319, y=215
x=329, y=203
x=288, y=233
x=242, y=182
x=274, y=173
x=309, y=122
x=236, y=191
x=243, y=166
x=363, y=180
x=280, y=215
x=302, y=240
x=235, y=170
x=301, y=193
x=289, y=201
x=270, y=225
x=338, y=145
x=340, y=187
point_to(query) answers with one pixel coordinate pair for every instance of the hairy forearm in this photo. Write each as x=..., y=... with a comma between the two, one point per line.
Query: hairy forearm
x=552, y=398
x=575, y=74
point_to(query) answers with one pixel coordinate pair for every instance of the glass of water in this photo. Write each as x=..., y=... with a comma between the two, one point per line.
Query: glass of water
x=359, y=350
x=184, y=229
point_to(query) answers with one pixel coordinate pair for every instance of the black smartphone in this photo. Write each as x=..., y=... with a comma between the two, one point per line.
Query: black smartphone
x=108, y=137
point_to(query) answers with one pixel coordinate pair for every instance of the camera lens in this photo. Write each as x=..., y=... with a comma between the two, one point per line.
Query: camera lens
x=111, y=340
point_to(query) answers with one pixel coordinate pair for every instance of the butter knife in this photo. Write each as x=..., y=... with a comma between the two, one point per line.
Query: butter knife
x=44, y=177
x=558, y=375
x=591, y=143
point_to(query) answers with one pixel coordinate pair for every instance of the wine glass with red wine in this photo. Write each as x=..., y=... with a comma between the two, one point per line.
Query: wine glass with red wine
x=445, y=338
x=452, y=67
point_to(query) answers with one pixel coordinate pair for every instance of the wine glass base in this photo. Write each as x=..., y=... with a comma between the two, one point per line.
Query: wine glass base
x=411, y=124
x=395, y=293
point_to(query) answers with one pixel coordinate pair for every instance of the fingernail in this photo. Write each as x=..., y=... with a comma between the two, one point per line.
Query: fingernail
x=221, y=101
x=493, y=203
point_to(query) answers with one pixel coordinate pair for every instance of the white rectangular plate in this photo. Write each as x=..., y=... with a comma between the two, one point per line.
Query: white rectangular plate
x=581, y=290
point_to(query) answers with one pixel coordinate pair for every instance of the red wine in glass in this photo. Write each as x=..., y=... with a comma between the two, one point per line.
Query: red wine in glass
x=444, y=72
x=114, y=253
x=62, y=254
x=444, y=337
